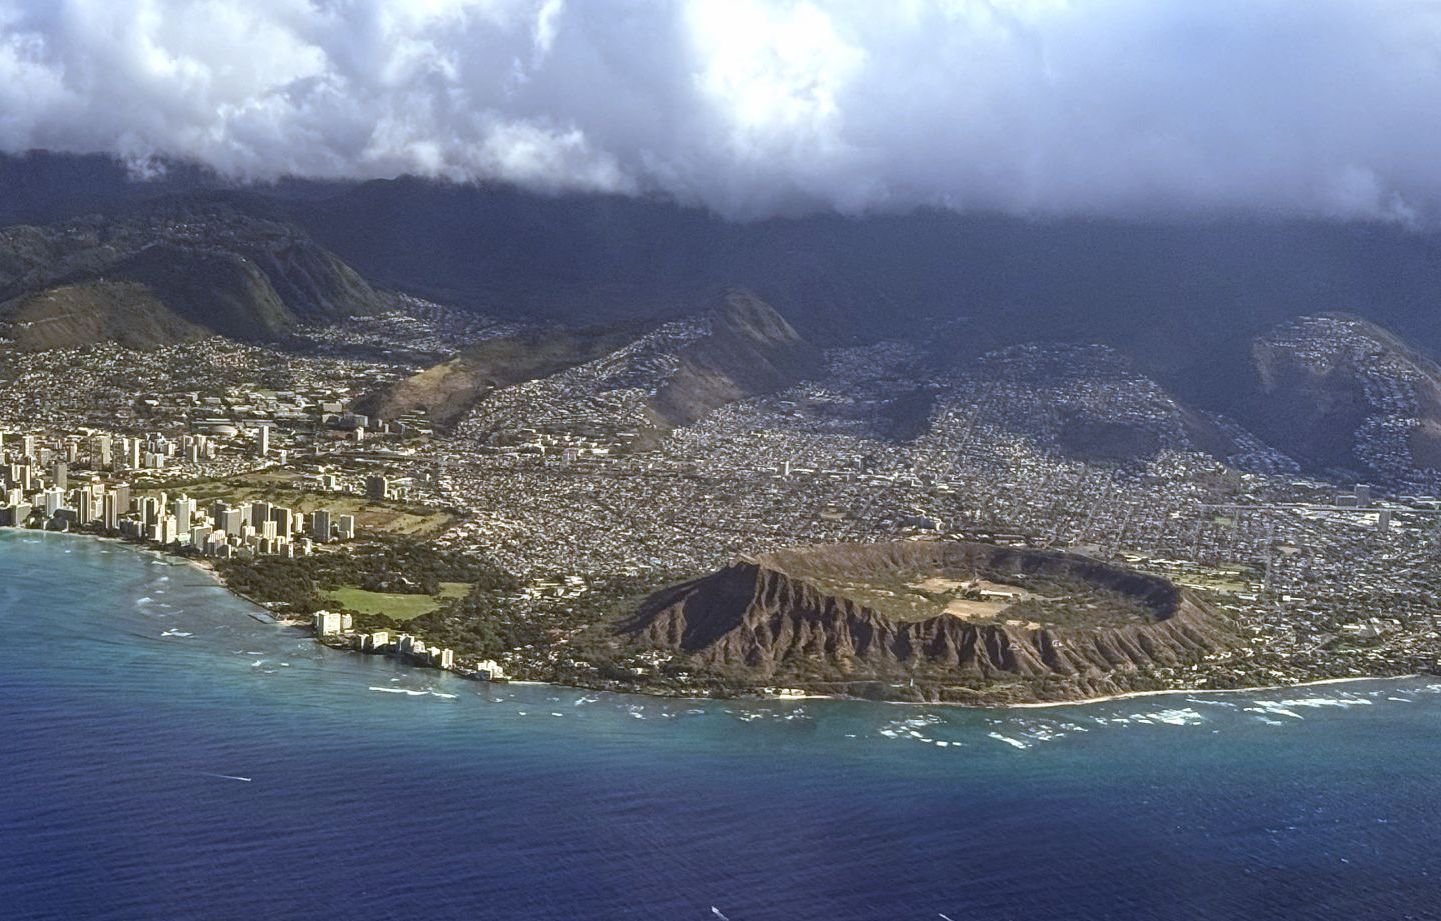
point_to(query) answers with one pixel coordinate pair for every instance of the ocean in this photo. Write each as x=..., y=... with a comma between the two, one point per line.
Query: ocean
x=164, y=755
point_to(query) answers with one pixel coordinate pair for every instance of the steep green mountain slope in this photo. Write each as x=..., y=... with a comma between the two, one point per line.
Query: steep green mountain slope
x=171, y=268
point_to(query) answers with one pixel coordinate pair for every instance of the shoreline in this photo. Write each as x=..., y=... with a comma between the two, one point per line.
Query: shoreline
x=1258, y=689
x=172, y=559
x=214, y=576
x=1035, y=705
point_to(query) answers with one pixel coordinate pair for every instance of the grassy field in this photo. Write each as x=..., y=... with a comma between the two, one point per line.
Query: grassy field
x=1047, y=601
x=395, y=605
x=899, y=597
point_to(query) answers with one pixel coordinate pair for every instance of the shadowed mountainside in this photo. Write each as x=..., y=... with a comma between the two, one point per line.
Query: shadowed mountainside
x=749, y=350
x=1178, y=297
x=446, y=392
x=1139, y=286
x=166, y=272
x=577, y=260
x=126, y=313
x=1185, y=300
x=746, y=349
x=1310, y=386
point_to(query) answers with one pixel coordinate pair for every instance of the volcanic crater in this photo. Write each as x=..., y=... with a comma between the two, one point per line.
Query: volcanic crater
x=934, y=620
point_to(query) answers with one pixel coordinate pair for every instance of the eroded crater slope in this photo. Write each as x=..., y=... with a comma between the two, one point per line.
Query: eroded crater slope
x=944, y=620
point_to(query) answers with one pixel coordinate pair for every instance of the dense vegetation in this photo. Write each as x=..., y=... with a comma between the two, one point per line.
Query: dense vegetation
x=299, y=586
x=487, y=622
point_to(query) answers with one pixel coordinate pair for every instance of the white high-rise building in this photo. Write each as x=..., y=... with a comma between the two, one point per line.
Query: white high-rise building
x=112, y=511
x=183, y=509
x=54, y=501
x=84, y=504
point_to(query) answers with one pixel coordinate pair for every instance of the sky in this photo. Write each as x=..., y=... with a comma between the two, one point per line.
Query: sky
x=1034, y=107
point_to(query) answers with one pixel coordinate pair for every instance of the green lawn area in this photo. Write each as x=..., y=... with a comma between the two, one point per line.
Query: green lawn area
x=395, y=605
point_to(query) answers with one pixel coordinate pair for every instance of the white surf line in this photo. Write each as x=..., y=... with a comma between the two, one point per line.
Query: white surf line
x=1088, y=701
x=227, y=776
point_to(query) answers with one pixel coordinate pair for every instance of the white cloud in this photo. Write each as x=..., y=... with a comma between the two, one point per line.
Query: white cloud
x=750, y=107
x=547, y=21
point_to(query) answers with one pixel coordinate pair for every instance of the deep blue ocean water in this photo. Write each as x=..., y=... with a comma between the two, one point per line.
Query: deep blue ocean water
x=134, y=693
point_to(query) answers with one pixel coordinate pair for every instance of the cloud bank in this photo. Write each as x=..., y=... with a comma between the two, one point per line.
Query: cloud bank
x=1128, y=107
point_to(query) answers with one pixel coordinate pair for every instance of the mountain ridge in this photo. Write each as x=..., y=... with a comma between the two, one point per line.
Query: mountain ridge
x=740, y=347
x=758, y=620
x=172, y=270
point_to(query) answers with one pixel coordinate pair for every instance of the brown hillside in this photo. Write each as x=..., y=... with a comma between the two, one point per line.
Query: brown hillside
x=782, y=619
x=126, y=313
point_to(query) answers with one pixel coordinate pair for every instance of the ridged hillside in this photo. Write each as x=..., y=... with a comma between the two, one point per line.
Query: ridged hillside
x=1345, y=397
x=750, y=350
x=779, y=619
x=734, y=347
x=447, y=391
x=166, y=272
x=126, y=313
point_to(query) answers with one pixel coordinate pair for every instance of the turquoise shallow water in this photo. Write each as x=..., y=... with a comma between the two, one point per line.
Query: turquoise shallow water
x=134, y=693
